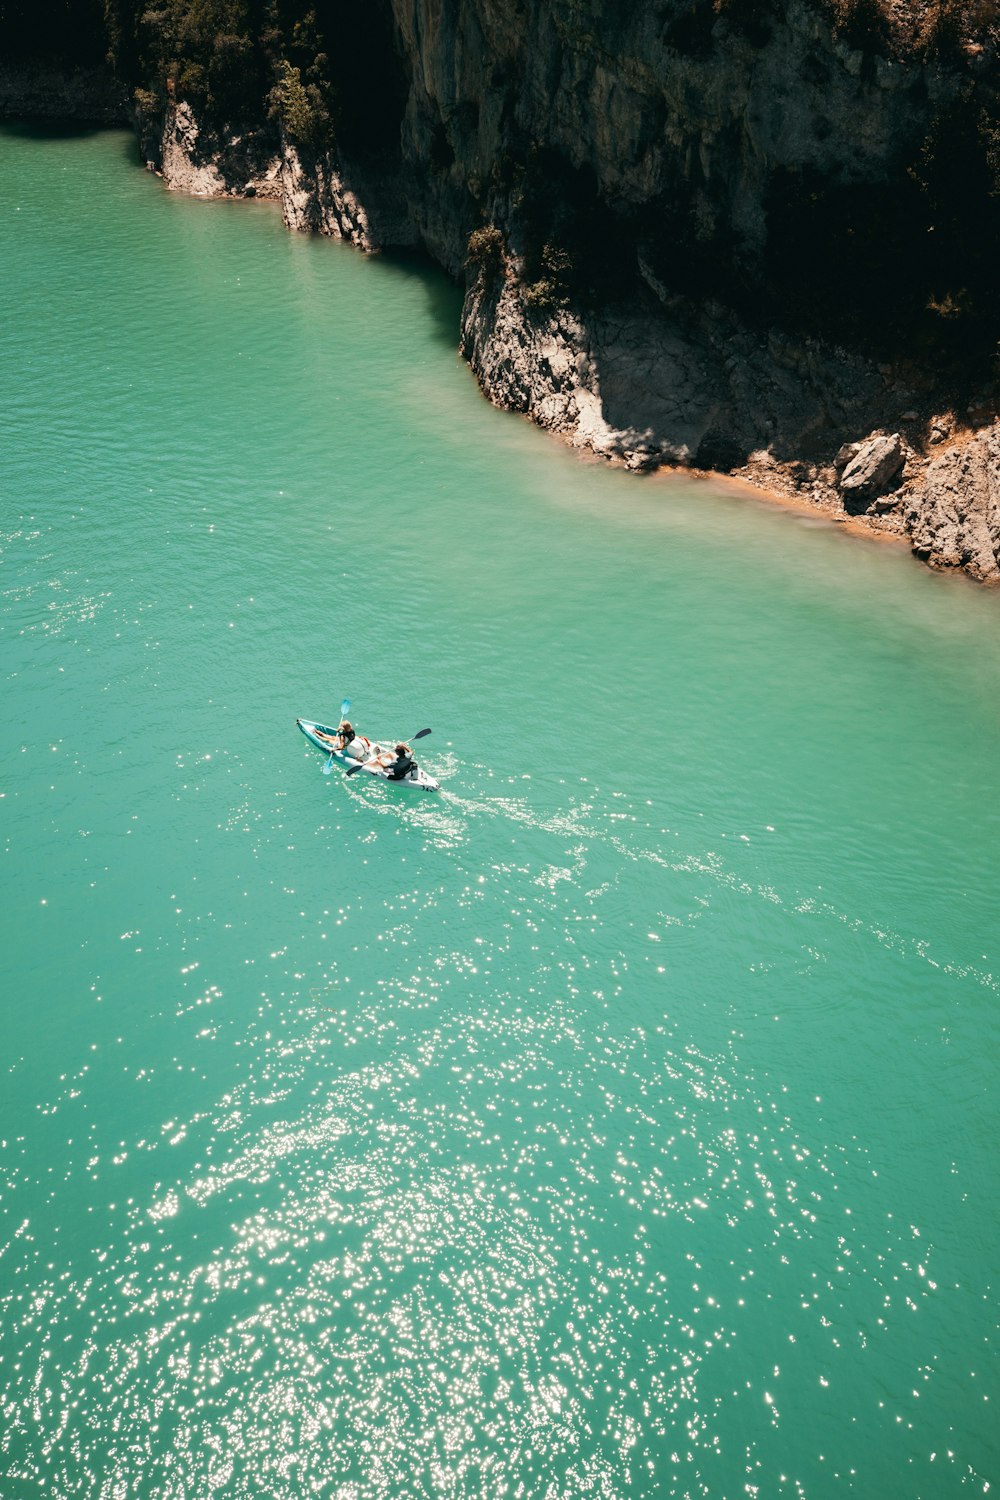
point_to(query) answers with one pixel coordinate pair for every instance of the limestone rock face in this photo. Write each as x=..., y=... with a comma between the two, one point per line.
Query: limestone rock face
x=685, y=122
x=186, y=164
x=678, y=110
x=954, y=518
x=321, y=201
x=341, y=199
x=193, y=158
x=638, y=383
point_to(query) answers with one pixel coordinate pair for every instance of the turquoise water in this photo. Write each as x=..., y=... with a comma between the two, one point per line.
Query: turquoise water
x=620, y=1121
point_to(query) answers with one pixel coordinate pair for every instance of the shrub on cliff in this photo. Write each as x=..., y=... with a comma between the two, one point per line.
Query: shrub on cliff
x=346, y=56
x=551, y=288
x=300, y=108
x=203, y=51
x=484, y=252
x=147, y=102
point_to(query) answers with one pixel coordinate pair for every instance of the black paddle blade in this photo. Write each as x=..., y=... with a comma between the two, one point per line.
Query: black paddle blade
x=361, y=764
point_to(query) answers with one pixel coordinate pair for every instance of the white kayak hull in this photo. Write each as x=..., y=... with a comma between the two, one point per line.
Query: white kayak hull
x=315, y=732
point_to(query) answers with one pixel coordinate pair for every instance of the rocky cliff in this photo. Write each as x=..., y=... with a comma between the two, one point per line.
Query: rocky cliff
x=752, y=237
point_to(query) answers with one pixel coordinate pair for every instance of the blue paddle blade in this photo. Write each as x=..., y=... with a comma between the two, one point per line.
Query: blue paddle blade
x=328, y=767
x=345, y=708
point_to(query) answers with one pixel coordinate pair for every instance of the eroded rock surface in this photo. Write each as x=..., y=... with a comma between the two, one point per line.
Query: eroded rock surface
x=953, y=516
x=635, y=382
x=872, y=470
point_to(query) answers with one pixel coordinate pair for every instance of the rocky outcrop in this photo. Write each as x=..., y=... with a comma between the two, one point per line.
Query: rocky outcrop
x=712, y=140
x=202, y=162
x=652, y=385
x=872, y=471
x=658, y=379
x=675, y=157
x=343, y=199
x=953, y=515
x=186, y=164
x=323, y=197
x=321, y=202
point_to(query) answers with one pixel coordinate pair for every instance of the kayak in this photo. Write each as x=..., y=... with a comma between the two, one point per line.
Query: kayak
x=314, y=732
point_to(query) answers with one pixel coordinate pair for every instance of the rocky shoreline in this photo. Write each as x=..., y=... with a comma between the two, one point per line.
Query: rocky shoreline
x=652, y=381
x=662, y=382
x=668, y=384
x=650, y=391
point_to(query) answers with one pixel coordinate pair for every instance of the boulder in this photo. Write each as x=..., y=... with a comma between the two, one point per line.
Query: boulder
x=845, y=455
x=872, y=471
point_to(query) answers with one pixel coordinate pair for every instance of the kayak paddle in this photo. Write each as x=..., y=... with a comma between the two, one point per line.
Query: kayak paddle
x=345, y=709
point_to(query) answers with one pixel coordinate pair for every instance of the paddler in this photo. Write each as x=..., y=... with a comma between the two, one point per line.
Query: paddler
x=403, y=764
x=346, y=741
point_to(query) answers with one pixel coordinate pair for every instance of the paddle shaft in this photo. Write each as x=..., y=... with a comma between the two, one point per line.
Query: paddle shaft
x=345, y=709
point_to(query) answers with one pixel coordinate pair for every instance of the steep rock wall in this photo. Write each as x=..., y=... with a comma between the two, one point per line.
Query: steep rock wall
x=670, y=154
x=707, y=222
x=673, y=108
x=692, y=389
x=953, y=516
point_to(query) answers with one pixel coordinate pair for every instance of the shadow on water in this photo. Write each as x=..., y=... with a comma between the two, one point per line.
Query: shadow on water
x=444, y=297
x=41, y=129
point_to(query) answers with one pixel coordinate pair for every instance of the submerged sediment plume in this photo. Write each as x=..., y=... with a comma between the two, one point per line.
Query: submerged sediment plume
x=754, y=238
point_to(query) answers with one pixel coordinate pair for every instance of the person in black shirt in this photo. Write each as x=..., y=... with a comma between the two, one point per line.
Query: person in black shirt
x=402, y=765
x=346, y=741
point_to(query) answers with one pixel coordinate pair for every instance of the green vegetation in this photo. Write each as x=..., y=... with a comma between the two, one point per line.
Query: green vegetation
x=553, y=286
x=301, y=108
x=207, y=52
x=485, y=252
x=319, y=70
